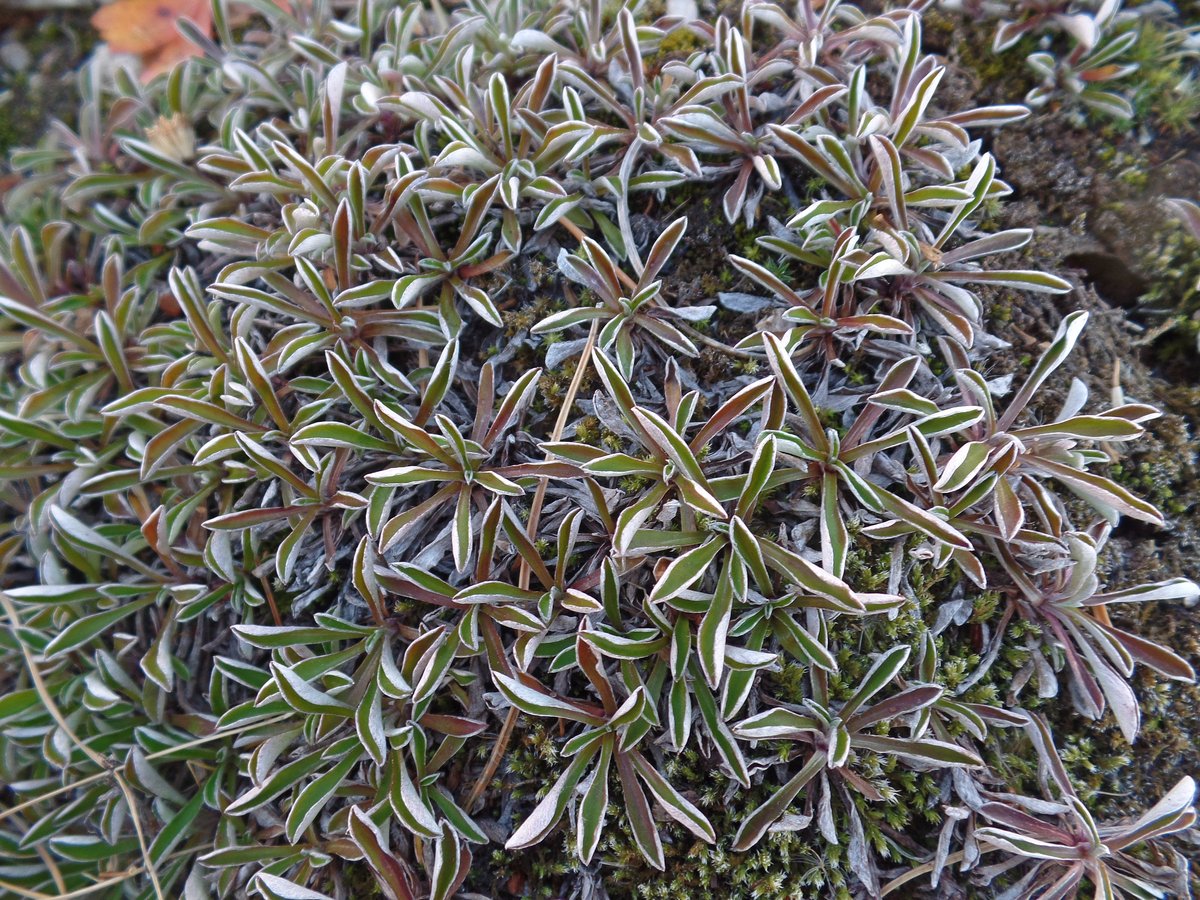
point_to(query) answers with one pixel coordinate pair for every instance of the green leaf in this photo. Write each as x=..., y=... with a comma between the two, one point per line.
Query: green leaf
x=789, y=379
x=228, y=857
x=757, y=823
x=409, y=805
x=686, y=570
x=675, y=446
x=458, y=818
x=83, y=630
x=451, y=863
x=87, y=538
x=721, y=736
x=637, y=812
x=368, y=722
x=248, y=518
x=924, y=749
x=1028, y=847
x=593, y=805
x=923, y=521
x=274, y=887
x=407, y=475
x=809, y=578
x=632, y=646
x=272, y=636
x=31, y=431
x=282, y=779
x=536, y=703
x=762, y=465
x=886, y=667
x=389, y=870
x=679, y=713
x=337, y=434
x=806, y=648
x=547, y=813
x=1097, y=489
x=310, y=801
x=461, y=535
x=963, y=467
x=303, y=697
x=714, y=627
x=439, y=382
x=674, y=803
x=1069, y=331
x=176, y=828
x=774, y=724
x=746, y=545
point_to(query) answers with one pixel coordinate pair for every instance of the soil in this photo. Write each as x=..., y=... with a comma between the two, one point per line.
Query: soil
x=1094, y=196
x=39, y=55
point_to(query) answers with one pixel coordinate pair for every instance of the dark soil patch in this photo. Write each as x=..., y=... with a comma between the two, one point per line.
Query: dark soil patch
x=40, y=54
x=1094, y=195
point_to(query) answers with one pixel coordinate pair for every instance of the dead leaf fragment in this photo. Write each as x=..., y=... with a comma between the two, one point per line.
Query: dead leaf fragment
x=149, y=29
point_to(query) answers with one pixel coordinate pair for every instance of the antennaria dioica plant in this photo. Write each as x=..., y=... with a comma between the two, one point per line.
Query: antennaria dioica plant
x=362, y=413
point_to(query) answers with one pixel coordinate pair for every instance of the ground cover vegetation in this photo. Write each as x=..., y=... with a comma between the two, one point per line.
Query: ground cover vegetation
x=543, y=449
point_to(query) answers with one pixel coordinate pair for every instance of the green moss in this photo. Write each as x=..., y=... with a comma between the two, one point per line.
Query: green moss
x=677, y=43
x=359, y=881
x=1164, y=88
x=554, y=384
x=30, y=99
x=1155, y=479
x=784, y=866
x=1173, y=275
x=1004, y=74
x=588, y=430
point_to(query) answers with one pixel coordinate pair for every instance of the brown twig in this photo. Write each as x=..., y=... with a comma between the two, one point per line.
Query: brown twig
x=560, y=425
x=55, y=713
x=535, y=514
x=493, y=762
x=927, y=867
x=723, y=348
x=270, y=594
x=52, y=868
x=150, y=757
x=100, y=885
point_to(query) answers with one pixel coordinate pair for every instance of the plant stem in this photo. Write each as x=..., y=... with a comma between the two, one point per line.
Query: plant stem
x=55, y=713
x=535, y=515
x=723, y=348
x=927, y=867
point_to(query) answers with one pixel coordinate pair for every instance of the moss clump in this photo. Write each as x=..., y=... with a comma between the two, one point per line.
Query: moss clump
x=1172, y=266
x=30, y=98
x=1164, y=88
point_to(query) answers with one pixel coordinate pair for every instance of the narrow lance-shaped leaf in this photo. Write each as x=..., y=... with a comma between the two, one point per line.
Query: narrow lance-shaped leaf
x=756, y=824
x=673, y=803
x=637, y=811
x=593, y=805
x=311, y=800
x=548, y=812
x=885, y=668
x=387, y=868
x=1069, y=331
x=685, y=571
x=714, y=627
x=536, y=703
